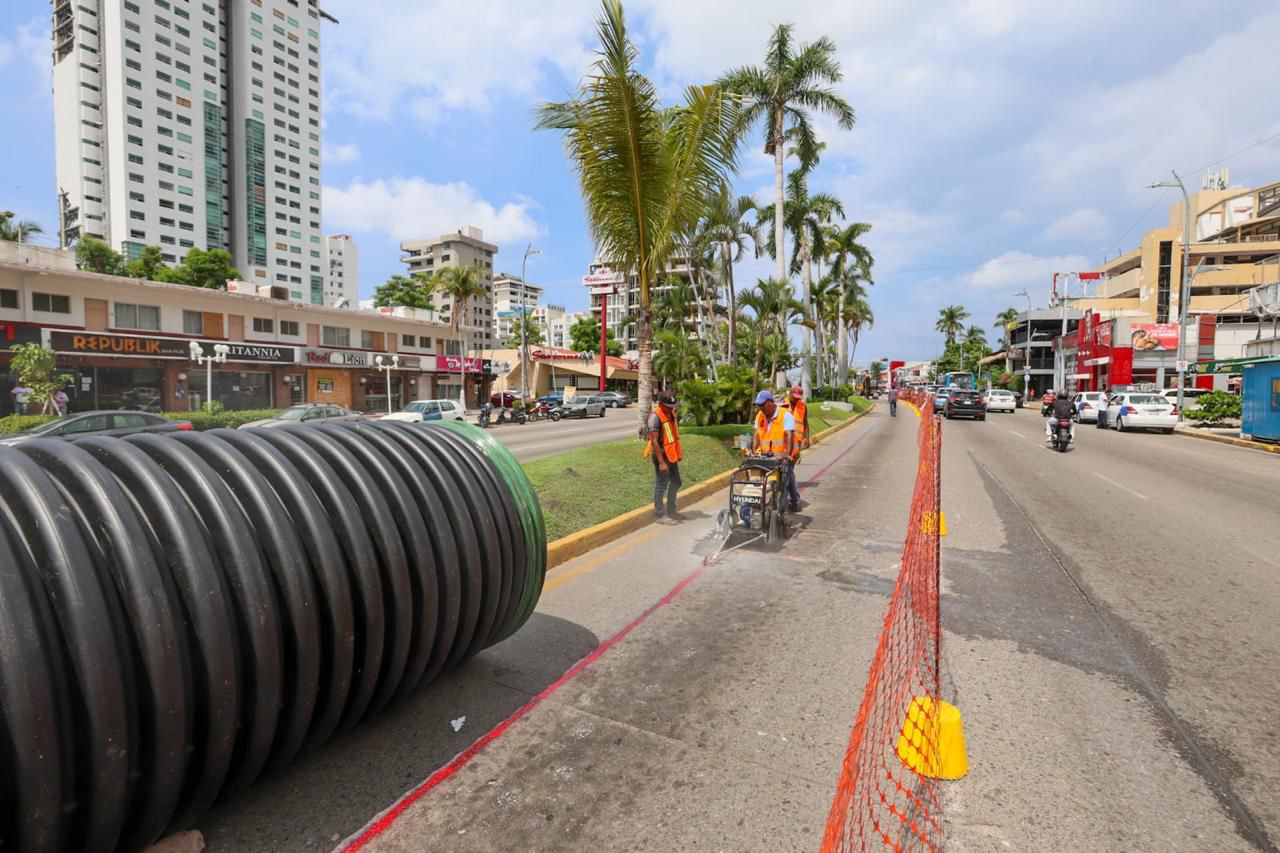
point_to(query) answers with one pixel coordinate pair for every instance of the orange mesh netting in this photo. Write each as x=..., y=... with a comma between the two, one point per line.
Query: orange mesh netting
x=880, y=803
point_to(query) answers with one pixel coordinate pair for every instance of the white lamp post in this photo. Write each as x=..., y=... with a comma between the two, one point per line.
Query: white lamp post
x=207, y=362
x=524, y=322
x=388, y=365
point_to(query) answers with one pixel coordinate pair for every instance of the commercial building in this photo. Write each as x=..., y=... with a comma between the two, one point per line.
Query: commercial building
x=553, y=369
x=555, y=322
x=1031, y=345
x=342, y=286
x=193, y=125
x=127, y=343
x=1235, y=246
x=624, y=302
x=511, y=298
x=465, y=247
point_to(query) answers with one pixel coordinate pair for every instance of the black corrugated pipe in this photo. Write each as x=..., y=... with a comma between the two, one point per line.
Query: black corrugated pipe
x=180, y=612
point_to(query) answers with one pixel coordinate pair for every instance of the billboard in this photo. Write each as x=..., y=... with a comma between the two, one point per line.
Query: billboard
x=1154, y=337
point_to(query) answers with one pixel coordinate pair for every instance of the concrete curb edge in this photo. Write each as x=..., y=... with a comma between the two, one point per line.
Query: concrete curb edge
x=566, y=548
x=1226, y=439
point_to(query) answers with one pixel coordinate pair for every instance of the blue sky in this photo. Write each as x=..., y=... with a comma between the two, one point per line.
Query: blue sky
x=997, y=140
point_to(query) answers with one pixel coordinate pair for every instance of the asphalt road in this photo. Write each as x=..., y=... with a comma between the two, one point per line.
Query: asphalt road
x=530, y=441
x=1109, y=637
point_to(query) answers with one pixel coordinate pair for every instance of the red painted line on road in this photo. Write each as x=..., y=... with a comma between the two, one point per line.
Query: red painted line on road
x=384, y=821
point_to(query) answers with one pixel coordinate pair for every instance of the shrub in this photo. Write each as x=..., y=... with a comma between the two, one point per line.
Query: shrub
x=860, y=404
x=18, y=423
x=725, y=401
x=1216, y=407
x=221, y=420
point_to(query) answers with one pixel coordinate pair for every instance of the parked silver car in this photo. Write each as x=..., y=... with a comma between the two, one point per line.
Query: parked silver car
x=615, y=399
x=112, y=423
x=307, y=413
x=583, y=407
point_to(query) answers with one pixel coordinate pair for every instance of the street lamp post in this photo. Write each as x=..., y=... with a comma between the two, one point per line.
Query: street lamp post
x=207, y=362
x=1026, y=365
x=524, y=322
x=388, y=365
x=1184, y=292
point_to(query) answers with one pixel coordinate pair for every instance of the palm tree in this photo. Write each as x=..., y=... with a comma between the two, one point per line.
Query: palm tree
x=775, y=308
x=678, y=357
x=851, y=261
x=1004, y=320
x=462, y=283
x=645, y=172
x=806, y=218
x=728, y=227
x=16, y=232
x=791, y=82
x=951, y=321
x=974, y=336
x=674, y=305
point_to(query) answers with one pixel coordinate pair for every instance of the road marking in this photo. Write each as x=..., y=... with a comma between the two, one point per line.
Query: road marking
x=1121, y=486
x=560, y=577
x=1018, y=434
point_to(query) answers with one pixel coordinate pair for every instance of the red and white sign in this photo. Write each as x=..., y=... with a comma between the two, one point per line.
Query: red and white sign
x=1154, y=337
x=607, y=290
x=603, y=277
x=453, y=364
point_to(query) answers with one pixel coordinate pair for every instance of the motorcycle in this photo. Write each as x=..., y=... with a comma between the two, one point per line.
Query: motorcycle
x=516, y=416
x=543, y=410
x=1062, y=434
x=486, y=412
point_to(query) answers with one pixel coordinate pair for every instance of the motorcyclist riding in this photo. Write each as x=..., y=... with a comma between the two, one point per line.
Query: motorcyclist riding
x=1062, y=408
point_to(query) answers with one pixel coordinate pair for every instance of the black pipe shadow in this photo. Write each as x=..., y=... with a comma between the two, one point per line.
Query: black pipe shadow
x=332, y=792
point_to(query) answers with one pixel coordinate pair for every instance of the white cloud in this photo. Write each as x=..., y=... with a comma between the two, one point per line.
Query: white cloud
x=1019, y=269
x=346, y=153
x=409, y=208
x=1083, y=225
x=30, y=42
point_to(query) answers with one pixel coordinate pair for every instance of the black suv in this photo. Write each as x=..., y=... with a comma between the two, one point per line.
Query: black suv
x=964, y=404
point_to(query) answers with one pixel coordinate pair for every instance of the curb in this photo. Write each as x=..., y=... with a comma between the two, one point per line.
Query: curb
x=566, y=548
x=1226, y=439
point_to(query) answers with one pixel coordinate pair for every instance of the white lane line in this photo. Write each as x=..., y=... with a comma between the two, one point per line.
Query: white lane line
x=1121, y=486
x=1018, y=434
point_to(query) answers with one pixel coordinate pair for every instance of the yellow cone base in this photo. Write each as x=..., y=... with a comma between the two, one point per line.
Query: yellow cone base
x=932, y=741
x=933, y=524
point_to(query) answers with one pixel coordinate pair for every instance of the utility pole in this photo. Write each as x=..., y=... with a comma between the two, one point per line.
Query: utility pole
x=524, y=322
x=1184, y=291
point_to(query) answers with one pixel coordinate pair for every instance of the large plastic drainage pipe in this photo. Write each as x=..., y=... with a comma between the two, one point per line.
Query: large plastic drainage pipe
x=180, y=612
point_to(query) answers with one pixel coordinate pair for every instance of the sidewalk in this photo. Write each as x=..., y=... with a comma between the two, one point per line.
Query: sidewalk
x=1225, y=435
x=717, y=715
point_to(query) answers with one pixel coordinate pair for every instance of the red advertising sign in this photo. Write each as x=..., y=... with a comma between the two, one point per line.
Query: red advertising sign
x=1154, y=337
x=453, y=364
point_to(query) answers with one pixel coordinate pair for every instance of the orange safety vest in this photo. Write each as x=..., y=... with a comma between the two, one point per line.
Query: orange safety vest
x=669, y=435
x=799, y=409
x=771, y=435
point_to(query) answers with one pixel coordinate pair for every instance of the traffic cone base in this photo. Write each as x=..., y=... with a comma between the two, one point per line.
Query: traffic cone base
x=932, y=742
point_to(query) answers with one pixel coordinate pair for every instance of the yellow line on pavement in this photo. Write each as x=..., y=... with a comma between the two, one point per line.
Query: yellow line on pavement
x=559, y=578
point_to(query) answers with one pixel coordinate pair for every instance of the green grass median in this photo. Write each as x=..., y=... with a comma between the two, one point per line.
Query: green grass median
x=585, y=486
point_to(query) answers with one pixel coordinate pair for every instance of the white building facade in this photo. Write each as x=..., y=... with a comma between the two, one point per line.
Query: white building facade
x=343, y=281
x=193, y=125
x=511, y=297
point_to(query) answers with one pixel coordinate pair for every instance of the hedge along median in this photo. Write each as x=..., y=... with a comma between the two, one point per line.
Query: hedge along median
x=620, y=516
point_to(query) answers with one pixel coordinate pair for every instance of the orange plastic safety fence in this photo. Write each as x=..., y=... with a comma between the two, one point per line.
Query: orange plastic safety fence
x=885, y=798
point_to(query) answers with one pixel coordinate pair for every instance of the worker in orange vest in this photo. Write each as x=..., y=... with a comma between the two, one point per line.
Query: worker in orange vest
x=800, y=412
x=664, y=447
x=775, y=433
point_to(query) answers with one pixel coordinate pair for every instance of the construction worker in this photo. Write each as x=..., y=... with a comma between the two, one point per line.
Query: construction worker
x=664, y=447
x=800, y=412
x=775, y=434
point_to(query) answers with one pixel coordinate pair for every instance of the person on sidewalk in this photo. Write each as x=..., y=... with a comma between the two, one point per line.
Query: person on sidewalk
x=664, y=447
x=1102, y=407
x=799, y=410
x=893, y=402
x=775, y=435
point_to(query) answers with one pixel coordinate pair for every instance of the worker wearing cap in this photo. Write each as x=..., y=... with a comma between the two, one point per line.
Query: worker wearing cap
x=800, y=412
x=664, y=447
x=774, y=433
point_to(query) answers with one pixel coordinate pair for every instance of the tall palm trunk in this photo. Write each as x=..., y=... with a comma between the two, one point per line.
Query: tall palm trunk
x=779, y=224
x=733, y=307
x=806, y=364
x=842, y=353
x=644, y=331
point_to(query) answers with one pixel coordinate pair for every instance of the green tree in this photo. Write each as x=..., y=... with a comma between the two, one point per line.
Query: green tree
x=851, y=264
x=210, y=269
x=462, y=284
x=16, y=230
x=645, y=172
x=408, y=291
x=976, y=337
x=775, y=308
x=584, y=336
x=149, y=264
x=1215, y=407
x=951, y=322
x=94, y=255
x=34, y=366
x=678, y=357
x=779, y=95
x=1004, y=320
x=728, y=226
x=532, y=330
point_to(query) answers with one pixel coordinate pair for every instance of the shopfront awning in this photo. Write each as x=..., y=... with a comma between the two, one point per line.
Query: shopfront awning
x=1233, y=365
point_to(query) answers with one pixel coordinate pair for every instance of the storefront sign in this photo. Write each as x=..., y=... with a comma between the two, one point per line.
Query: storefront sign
x=543, y=355
x=255, y=352
x=453, y=364
x=603, y=277
x=1149, y=337
x=89, y=343
x=16, y=333
x=337, y=358
x=410, y=362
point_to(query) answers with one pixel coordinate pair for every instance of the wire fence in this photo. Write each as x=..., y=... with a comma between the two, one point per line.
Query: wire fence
x=888, y=796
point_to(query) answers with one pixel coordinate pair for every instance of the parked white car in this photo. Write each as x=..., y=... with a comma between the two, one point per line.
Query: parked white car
x=1189, y=396
x=1141, y=411
x=428, y=410
x=1087, y=404
x=999, y=400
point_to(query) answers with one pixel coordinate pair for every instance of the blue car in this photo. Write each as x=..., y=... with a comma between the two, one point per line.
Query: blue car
x=939, y=399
